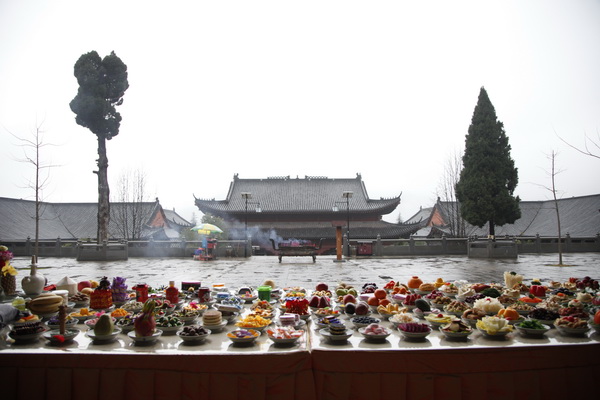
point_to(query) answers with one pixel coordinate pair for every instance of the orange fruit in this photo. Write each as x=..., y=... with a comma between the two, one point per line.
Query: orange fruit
x=384, y=302
x=373, y=301
x=380, y=294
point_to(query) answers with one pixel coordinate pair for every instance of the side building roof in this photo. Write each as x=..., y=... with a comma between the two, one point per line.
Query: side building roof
x=285, y=195
x=579, y=216
x=66, y=220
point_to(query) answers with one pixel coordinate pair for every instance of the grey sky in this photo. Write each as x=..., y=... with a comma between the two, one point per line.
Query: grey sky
x=329, y=88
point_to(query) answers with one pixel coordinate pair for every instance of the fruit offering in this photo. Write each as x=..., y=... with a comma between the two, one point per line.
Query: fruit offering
x=101, y=297
x=388, y=309
x=297, y=306
x=145, y=324
x=119, y=312
x=193, y=330
x=414, y=327
x=410, y=299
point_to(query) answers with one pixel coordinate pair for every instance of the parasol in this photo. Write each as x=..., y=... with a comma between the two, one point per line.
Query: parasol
x=206, y=229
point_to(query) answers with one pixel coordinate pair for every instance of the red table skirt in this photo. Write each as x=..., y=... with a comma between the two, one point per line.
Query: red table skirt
x=143, y=376
x=541, y=372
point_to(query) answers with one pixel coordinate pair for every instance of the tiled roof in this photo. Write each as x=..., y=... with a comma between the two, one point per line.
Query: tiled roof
x=57, y=220
x=579, y=216
x=422, y=215
x=283, y=195
x=316, y=230
x=175, y=218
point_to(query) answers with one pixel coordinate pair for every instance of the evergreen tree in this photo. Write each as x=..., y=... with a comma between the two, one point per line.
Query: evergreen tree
x=102, y=84
x=489, y=177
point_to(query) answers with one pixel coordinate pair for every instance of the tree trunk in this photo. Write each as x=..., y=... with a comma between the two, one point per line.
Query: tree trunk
x=492, y=229
x=103, y=191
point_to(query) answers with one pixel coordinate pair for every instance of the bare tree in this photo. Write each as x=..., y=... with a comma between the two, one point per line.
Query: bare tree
x=446, y=192
x=553, y=174
x=31, y=154
x=131, y=210
x=587, y=143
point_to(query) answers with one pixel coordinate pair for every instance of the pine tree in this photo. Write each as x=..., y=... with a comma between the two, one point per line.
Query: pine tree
x=102, y=84
x=489, y=177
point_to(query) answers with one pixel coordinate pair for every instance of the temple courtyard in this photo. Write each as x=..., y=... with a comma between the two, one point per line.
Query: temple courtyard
x=301, y=271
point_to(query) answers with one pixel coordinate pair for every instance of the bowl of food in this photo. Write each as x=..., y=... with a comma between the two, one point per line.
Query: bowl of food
x=414, y=330
x=243, y=336
x=284, y=334
x=375, y=332
x=532, y=327
x=456, y=329
x=193, y=334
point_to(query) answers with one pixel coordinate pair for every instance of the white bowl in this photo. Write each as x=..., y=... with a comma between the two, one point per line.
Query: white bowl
x=170, y=330
x=194, y=339
x=69, y=335
x=103, y=338
x=216, y=328
x=284, y=340
x=374, y=338
x=335, y=338
x=414, y=335
x=532, y=332
x=246, y=340
x=145, y=339
x=456, y=335
x=26, y=338
x=68, y=324
x=497, y=335
x=361, y=324
x=572, y=331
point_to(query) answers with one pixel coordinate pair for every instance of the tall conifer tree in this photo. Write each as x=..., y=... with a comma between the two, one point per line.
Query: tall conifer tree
x=489, y=177
x=102, y=84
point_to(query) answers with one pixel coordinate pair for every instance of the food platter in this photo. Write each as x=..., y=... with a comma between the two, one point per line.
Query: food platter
x=145, y=339
x=216, y=328
x=372, y=337
x=497, y=335
x=103, y=338
x=531, y=331
x=572, y=331
x=53, y=335
x=247, y=339
x=335, y=338
x=197, y=339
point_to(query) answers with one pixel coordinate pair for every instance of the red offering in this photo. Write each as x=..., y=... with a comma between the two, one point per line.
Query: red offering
x=172, y=294
x=141, y=292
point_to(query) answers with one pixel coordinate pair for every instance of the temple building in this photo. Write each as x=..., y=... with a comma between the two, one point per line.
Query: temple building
x=579, y=217
x=309, y=208
x=79, y=221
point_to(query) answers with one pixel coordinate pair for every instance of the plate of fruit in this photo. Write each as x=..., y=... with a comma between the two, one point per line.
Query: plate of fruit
x=55, y=337
x=414, y=330
x=145, y=339
x=103, y=337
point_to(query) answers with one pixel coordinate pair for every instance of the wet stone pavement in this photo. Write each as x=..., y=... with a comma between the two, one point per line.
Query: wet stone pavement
x=301, y=271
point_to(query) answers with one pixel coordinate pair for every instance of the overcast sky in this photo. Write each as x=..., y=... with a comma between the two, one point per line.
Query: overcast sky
x=275, y=88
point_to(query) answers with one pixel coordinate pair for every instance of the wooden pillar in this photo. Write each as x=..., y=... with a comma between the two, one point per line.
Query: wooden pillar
x=338, y=240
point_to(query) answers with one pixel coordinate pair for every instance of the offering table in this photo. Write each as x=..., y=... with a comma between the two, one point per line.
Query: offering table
x=167, y=369
x=436, y=367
